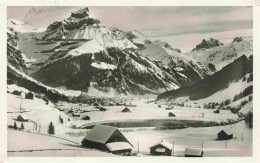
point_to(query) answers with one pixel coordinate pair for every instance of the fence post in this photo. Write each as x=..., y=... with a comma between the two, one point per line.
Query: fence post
x=137, y=147
x=173, y=148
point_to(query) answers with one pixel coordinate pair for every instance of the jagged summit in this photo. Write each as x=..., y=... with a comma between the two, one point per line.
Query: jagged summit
x=166, y=45
x=207, y=44
x=81, y=13
x=238, y=39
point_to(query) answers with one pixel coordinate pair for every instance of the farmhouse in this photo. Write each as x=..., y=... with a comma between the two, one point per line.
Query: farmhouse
x=85, y=117
x=172, y=115
x=29, y=95
x=216, y=111
x=162, y=148
x=22, y=118
x=126, y=109
x=225, y=134
x=193, y=152
x=107, y=138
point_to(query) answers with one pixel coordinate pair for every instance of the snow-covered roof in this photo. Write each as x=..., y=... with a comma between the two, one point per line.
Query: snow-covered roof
x=165, y=144
x=117, y=146
x=100, y=133
x=193, y=151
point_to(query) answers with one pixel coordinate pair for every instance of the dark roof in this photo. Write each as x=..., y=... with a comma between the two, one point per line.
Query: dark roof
x=126, y=109
x=227, y=131
x=100, y=133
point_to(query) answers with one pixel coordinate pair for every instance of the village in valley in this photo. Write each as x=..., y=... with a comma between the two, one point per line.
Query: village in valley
x=80, y=89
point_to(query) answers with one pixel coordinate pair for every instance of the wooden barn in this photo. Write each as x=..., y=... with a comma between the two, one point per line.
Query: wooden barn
x=107, y=138
x=85, y=117
x=126, y=109
x=193, y=152
x=22, y=118
x=216, y=111
x=225, y=134
x=172, y=115
x=162, y=148
x=29, y=95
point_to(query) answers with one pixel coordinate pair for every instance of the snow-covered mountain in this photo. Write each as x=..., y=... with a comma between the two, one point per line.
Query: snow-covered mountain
x=79, y=53
x=207, y=44
x=222, y=55
x=22, y=27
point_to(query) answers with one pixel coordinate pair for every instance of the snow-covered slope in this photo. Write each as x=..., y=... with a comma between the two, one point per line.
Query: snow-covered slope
x=22, y=27
x=175, y=61
x=223, y=55
x=219, y=84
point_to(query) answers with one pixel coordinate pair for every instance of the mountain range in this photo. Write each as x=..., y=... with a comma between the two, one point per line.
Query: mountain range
x=79, y=53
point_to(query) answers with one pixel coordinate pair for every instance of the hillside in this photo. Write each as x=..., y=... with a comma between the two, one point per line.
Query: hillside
x=222, y=55
x=212, y=84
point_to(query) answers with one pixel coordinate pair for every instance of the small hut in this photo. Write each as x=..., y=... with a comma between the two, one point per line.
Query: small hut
x=193, y=152
x=225, y=134
x=85, y=117
x=172, y=115
x=22, y=118
x=102, y=109
x=216, y=111
x=29, y=95
x=107, y=138
x=162, y=148
x=76, y=114
x=126, y=109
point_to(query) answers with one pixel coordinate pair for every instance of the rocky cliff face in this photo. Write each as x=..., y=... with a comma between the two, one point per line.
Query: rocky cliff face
x=207, y=44
x=80, y=53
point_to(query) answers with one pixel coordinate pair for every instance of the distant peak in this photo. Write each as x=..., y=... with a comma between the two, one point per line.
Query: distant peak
x=207, y=44
x=81, y=13
x=166, y=45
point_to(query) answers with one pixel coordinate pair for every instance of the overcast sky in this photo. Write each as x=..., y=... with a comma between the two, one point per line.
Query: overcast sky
x=152, y=21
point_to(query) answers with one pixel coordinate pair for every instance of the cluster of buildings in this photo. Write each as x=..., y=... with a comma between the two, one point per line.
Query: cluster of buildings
x=111, y=139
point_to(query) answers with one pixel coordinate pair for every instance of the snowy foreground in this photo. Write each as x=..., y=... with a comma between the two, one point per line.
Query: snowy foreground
x=41, y=114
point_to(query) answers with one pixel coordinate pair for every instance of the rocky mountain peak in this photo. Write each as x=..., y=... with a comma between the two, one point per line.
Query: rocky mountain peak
x=166, y=45
x=81, y=13
x=207, y=44
x=238, y=39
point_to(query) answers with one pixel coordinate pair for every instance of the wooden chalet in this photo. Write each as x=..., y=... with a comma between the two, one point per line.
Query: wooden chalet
x=162, y=148
x=107, y=138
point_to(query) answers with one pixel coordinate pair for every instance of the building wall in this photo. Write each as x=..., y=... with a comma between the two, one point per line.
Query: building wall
x=167, y=151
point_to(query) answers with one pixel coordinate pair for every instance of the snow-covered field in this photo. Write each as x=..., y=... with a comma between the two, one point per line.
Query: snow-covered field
x=41, y=113
x=193, y=138
x=20, y=140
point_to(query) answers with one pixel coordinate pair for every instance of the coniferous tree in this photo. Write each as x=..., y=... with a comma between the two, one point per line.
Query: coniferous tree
x=15, y=126
x=51, y=129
